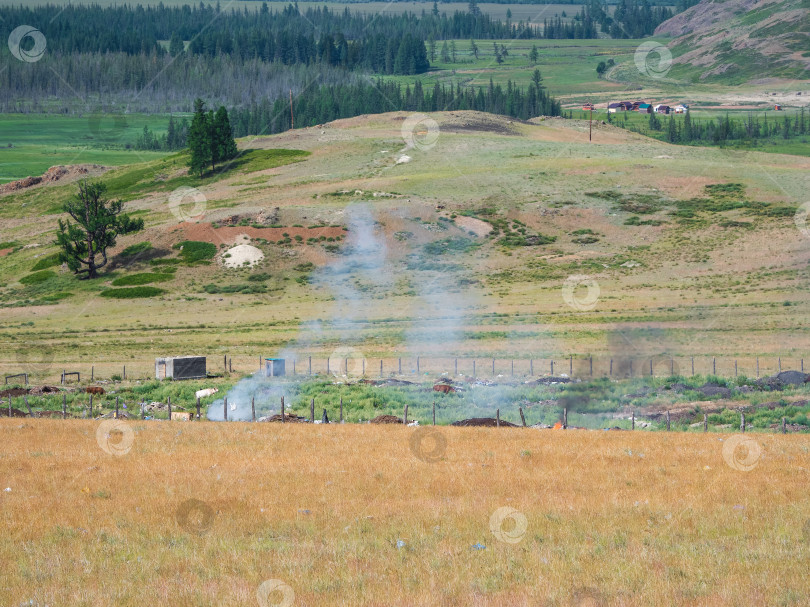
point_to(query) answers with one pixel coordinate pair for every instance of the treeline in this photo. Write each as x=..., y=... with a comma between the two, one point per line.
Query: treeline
x=747, y=130
x=632, y=18
x=175, y=137
x=323, y=104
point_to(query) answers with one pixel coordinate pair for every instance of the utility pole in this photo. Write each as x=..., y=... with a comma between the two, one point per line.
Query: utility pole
x=590, y=125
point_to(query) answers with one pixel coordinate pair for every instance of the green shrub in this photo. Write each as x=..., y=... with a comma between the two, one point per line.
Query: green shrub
x=37, y=277
x=46, y=262
x=194, y=251
x=54, y=297
x=134, y=249
x=141, y=279
x=132, y=292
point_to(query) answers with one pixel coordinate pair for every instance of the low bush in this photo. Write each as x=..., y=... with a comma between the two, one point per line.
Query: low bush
x=132, y=292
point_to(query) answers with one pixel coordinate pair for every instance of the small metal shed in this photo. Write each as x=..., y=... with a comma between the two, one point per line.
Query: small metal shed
x=273, y=367
x=180, y=367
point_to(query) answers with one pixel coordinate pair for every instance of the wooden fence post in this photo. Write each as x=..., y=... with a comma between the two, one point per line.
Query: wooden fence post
x=473, y=367
x=253, y=408
x=631, y=367
x=497, y=418
x=283, y=415
x=780, y=364
x=513, y=368
x=667, y=420
x=225, y=408
x=64, y=406
x=565, y=418
x=327, y=365
x=671, y=366
x=784, y=427
x=434, y=412
x=405, y=415
x=225, y=362
x=802, y=365
x=312, y=411
x=169, y=404
x=400, y=365
x=198, y=409
x=651, y=368
x=310, y=366
x=714, y=365
x=493, y=367
x=27, y=406
x=456, y=367
x=346, y=365
x=693, y=365
x=143, y=409
x=757, y=367
x=91, y=406
x=92, y=373
x=610, y=374
x=742, y=421
x=364, y=369
x=552, y=367
x=381, y=367
x=260, y=363
x=522, y=417
x=735, y=367
x=116, y=407
x=571, y=366
x=417, y=365
x=294, y=373
x=705, y=422
x=633, y=426
x=125, y=373
x=341, y=409
x=531, y=367
x=230, y=364
x=591, y=365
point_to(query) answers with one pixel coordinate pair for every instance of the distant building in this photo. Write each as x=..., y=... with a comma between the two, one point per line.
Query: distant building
x=615, y=107
x=680, y=109
x=587, y=106
x=662, y=109
x=777, y=107
x=644, y=108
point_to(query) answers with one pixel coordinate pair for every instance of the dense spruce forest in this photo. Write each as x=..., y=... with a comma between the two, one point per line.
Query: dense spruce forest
x=746, y=130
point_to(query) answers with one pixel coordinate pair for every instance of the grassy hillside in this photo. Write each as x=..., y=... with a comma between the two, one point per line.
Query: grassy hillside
x=675, y=238
x=736, y=41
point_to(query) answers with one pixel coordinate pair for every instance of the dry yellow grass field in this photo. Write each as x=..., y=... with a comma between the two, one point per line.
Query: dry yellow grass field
x=364, y=515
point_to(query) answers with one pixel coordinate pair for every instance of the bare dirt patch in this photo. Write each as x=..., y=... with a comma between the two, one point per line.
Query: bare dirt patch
x=54, y=174
x=205, y=232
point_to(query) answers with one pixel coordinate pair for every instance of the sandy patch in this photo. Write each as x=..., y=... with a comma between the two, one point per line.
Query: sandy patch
x=241, y=256
x=471, y=224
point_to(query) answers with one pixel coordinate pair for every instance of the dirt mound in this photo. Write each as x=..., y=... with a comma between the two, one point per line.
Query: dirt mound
x=386, y=419
x=487, y=422
x=14, y=412
x=782, y=380
x=44, y=390
x=289, y=418
x=54, y=174
x=711, y=389
x=243, y=255
x=13, y=392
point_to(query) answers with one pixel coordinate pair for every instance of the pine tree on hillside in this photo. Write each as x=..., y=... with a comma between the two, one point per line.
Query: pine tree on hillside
x=199, y=140
x=223, y=144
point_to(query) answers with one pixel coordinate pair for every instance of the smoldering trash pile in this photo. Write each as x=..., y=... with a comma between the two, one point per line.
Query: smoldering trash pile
x=487, y=422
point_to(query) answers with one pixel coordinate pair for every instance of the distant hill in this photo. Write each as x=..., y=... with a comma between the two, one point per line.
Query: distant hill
x=737, y=41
